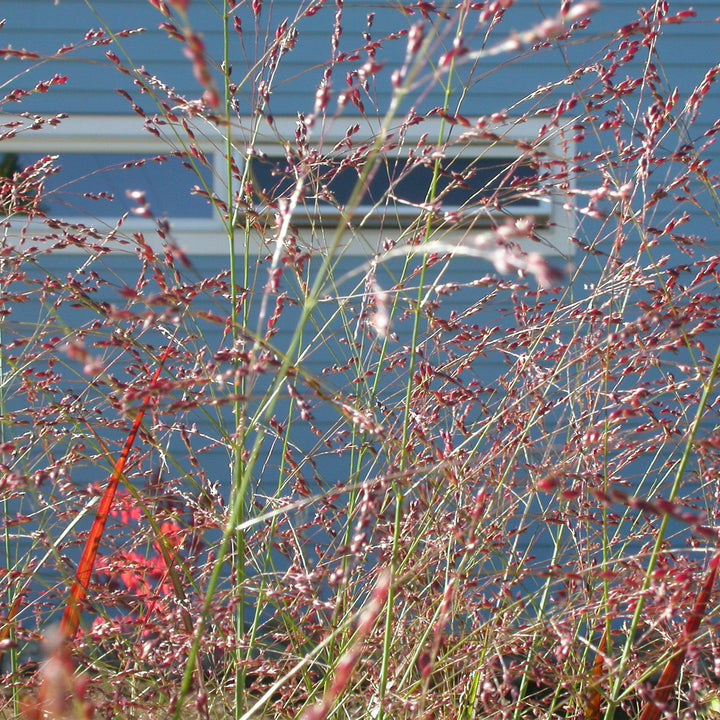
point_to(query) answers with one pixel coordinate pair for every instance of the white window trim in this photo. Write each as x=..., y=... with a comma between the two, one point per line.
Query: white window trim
x=126, y=134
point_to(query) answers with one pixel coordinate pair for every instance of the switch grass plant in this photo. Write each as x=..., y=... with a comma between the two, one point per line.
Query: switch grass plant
x=405, y=463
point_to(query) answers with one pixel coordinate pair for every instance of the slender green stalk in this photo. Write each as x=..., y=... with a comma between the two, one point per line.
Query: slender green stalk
x=405, y=460
x=11, y=592
x=236, y=466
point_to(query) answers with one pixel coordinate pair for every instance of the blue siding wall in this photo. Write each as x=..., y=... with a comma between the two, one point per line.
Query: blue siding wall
x=92, y=79
x=498, y=82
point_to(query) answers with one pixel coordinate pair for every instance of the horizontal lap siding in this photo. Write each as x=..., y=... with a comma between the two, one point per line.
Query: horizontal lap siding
x=215, y=462
x=92, y=81
x=214, y=459
x=124, y=270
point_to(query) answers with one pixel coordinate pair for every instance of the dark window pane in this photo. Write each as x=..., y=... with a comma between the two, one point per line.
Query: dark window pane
x=473, y=180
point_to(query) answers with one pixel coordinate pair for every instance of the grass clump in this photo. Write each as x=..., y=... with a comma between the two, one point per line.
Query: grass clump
x=435, y=436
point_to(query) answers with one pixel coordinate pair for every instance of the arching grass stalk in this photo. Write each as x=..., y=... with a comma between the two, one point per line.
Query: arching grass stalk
x=412, y=362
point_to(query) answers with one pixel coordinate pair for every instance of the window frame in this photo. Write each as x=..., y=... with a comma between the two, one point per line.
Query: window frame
x=207, y=236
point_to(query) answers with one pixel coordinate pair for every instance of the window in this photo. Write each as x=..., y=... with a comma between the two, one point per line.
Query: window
x=460, y=181
x=481, y=183
x=101, y=158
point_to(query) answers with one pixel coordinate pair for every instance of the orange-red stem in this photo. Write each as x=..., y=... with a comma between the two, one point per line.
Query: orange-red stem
x=653, y=708
x=78, y=593
x=594, y=702
x=8, y=624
